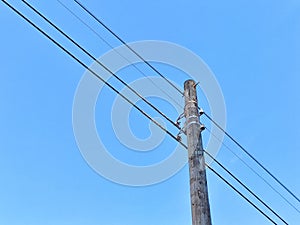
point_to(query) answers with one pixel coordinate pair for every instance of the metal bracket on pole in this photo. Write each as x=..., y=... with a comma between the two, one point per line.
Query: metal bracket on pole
x=182, y=130
x=178, y=119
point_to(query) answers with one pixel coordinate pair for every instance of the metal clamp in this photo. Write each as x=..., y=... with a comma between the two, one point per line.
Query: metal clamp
x=182, y=131
x=178, y=120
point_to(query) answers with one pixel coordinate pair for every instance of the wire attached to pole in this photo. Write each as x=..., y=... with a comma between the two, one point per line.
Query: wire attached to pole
x=253, y=158
x=254, y=171
x=241, y=194
x=244, y=186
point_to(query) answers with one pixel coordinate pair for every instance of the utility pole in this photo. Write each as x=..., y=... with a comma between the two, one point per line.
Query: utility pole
x=198, y=182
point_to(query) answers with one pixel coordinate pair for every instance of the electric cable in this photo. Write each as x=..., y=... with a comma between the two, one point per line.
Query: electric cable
x=101, y=64
x=254, y=171
x=240, y=193
x=252, y=157
x=115, y=50
x=86, y=67
x=244, y=186
x=124, y=43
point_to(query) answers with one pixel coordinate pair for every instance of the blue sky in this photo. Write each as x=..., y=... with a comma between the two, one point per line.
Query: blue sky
x=252, y=47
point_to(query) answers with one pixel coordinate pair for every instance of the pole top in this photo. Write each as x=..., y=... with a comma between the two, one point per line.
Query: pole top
x=191, y=81
x=189, y=84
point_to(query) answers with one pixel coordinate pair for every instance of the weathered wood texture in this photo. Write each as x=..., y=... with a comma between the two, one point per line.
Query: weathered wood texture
x=198, y=182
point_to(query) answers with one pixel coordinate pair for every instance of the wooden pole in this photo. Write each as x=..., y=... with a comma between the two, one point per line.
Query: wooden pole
x=198, y=183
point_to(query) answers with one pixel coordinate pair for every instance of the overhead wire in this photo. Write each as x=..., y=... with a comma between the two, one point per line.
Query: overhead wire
x=90, y=70
x=101, y=64
x=124, y=43
x=241, y=194
x=253, y=158
x=253, y=170
x=244, y=186
x=120, y=54
x=114, y=89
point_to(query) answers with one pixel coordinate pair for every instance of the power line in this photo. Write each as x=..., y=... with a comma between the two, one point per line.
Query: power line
x=115, y=50
x=115, y=90
x=86, y=67
x=240, y=193
x=252, y=157
x=101, y=64
x=254, y=171
x=244, y=186
x=124, y=43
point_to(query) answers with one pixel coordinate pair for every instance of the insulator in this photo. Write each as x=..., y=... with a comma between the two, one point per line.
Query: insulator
x=202, y=127
x=201, y=112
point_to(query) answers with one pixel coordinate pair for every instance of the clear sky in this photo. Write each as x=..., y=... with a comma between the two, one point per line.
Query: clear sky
x=253, y=49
